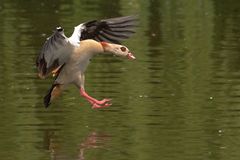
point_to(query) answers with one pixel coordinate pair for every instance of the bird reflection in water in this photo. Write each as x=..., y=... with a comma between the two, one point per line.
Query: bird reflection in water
x=93, y=141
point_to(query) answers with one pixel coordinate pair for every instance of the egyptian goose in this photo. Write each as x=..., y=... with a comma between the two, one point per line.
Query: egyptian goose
x=67, y=58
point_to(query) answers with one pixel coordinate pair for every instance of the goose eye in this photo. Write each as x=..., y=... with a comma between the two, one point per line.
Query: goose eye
x=123, y=49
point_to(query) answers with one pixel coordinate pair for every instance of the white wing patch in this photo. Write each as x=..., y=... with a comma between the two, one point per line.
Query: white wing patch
x=75, y=38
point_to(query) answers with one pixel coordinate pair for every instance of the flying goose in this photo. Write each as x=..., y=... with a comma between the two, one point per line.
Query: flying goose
x=67, y=58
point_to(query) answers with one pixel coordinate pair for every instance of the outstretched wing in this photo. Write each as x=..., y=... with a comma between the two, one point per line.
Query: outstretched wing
x=58, y=48
x=55, y=52
x=111, y=30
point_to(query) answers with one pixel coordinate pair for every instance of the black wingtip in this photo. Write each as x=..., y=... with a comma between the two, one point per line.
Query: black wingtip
x=47, y=98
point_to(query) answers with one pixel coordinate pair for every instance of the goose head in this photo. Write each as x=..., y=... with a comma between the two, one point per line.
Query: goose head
x=118, y=50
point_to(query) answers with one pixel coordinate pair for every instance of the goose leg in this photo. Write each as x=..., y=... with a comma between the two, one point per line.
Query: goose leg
x=95, y=103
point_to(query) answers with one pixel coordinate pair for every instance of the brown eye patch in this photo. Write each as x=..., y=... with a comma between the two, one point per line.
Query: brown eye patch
x=123, y=49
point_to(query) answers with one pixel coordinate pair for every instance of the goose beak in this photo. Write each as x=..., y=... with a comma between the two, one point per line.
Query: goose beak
x=130, y=56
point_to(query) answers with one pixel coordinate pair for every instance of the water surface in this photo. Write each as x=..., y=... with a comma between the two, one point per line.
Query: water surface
x=179, y=100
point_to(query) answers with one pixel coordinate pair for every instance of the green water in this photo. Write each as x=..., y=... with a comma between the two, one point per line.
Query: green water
x=179, y=100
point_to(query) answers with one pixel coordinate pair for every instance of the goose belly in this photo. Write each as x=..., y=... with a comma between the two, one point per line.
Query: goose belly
x=71, y=71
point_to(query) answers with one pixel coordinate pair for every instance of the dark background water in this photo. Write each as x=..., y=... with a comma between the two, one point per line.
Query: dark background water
x=179, y=100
